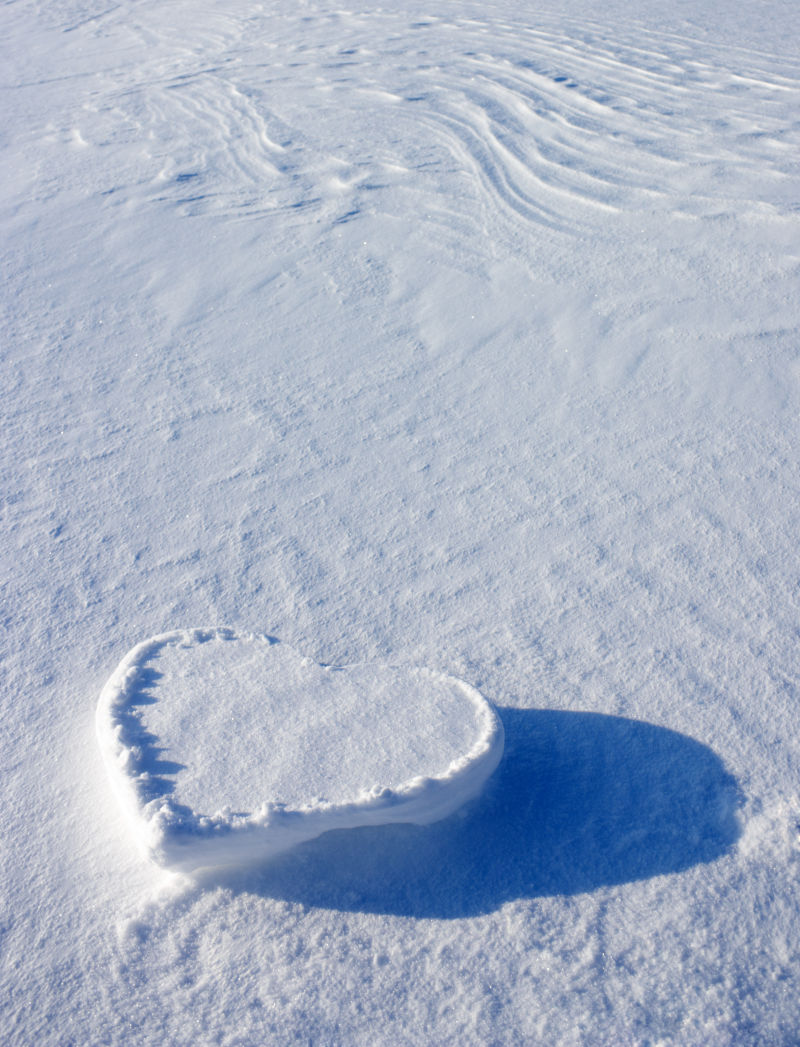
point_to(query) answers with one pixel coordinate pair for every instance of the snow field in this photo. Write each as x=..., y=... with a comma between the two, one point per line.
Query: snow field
x=443, y=334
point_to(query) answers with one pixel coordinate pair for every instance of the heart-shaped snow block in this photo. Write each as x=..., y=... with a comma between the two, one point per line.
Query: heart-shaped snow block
x=226, y=749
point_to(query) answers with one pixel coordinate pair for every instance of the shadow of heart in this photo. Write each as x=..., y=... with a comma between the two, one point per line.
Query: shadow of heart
x=580, y=800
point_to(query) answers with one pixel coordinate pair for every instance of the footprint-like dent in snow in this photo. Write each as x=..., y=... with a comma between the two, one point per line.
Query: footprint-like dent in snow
x=226, y=749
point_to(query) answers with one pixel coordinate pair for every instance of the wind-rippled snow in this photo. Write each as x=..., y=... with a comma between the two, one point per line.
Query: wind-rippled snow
x=449, y=334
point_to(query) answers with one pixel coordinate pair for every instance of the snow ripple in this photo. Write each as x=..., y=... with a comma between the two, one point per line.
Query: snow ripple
x=550, y=127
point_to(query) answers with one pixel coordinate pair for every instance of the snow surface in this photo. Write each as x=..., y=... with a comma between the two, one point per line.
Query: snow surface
x=433, y=332
x=227, y=749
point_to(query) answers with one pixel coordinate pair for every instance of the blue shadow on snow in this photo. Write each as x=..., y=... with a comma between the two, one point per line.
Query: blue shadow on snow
x=579, y=801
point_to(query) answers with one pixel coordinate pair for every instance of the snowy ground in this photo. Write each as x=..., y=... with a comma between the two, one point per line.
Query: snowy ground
x=457, y=334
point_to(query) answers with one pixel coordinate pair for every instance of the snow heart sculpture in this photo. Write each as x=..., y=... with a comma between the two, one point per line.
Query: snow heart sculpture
x=226, y=749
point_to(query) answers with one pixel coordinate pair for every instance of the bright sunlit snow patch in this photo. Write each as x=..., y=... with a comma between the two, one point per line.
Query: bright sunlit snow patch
x=226, y=749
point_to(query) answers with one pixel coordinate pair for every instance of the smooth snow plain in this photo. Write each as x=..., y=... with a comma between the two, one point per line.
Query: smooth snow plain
x=326, y=747
x=448, y=334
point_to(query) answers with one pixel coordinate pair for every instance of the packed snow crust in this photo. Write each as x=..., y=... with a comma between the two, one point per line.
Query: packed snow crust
x=269, y=749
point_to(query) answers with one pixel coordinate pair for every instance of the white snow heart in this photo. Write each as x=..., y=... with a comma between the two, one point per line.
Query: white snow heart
x=226, y=749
